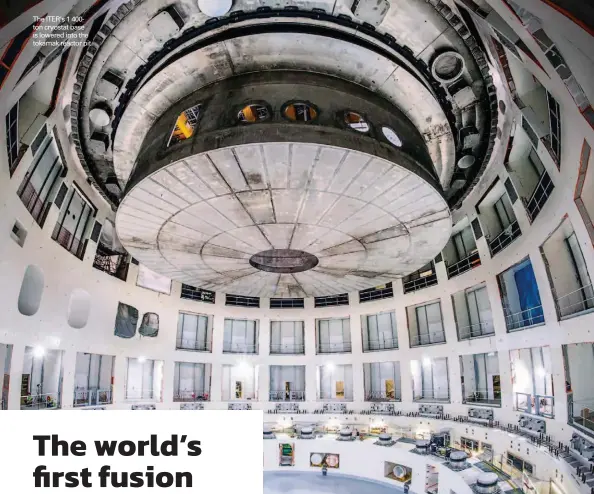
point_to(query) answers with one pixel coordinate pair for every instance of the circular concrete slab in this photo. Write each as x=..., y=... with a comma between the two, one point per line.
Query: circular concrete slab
x=366, y=220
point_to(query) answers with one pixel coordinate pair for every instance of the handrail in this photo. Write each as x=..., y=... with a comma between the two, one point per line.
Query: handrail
x=282, y=395
x=541, y=405
x=524, y=318
x=291, y=349
x=419, y=283
x=505, y=238
x=344, y=347
x=476, y=330
x=92, y=397
x=38, y=402
x=139, y=394
x=230, y=396
x=432, y=394
x=323, y=397
x=568, y=305
x=433, y=337
x=388, y=344
x=240, y=348
x=191, y=344
x=481, y=395
x=188, y=395
x=470, y=262
x=382, y=396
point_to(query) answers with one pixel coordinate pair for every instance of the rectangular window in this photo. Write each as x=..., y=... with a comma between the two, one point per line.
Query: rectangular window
x=286, y=303
x=376, y=293
x=379, y=332
x=481, y=379
x=41, y=181
x=73, y=226
x=189, y=292
x=193, y=332
x=240, y=301
x=93, y=380
x=520, y=296
x=382, y=381
x=333, y=336
x=191, y=382
x=286, y=337
x=332, y=300
x=423, y=278
x=430, y=379
x=425, y=324
x=240, y=336
x=473, y=313
x=335, y=382
x=12, y=138
x=287, y=383
x=144, y=379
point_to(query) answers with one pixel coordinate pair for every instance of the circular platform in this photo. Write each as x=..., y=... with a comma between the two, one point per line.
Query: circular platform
x=202, y=220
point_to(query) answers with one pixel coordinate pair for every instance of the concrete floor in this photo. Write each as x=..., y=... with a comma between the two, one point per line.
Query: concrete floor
x=315, y=483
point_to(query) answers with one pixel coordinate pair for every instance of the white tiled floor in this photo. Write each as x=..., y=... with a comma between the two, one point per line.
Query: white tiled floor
x=315, y=483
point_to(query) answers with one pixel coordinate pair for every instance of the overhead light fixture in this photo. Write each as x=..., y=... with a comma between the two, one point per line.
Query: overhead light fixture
x=215, y=8
x=141, y=360
x=330, y=366
x=38, y=352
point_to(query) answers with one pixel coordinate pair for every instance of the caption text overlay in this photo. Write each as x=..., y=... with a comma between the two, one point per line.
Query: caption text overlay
x=144, y=450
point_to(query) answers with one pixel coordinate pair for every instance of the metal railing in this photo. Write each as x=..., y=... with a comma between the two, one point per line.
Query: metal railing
x=115, y=265
x=575, y=302
x=344, y=347
x=323, y=397
x=286, y=395
x=476, y=330
x=431, y=338
x=539, y=197
x=419, y=283
x=524, y=318
x=192, y=344
x=382, y=396
x=581, y=414
x=240, y=348
x=429, y=394
x=91, y=397
x=481, y=396
x=140, y=394
x=186, y=395
x=542, y=405
x=288, y=349
x=463, y=265
x=231, y=396
x=505, y=238
x=37, y=206
x=48, y=401
x=374, y=345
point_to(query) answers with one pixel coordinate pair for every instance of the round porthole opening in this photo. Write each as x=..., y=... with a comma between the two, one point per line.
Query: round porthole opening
x=356, y=122
x=392, y=136
x=448, y=66
x=466, y=161
x=300, y=112
x=253, y=113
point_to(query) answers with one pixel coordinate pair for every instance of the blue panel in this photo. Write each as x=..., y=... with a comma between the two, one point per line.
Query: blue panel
x=529, y=296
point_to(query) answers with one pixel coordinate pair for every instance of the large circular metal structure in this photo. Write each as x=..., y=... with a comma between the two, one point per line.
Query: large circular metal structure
x=296, y=203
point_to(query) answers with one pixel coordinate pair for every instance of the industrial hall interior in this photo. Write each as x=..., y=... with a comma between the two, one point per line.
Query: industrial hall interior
x=370, y=219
